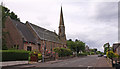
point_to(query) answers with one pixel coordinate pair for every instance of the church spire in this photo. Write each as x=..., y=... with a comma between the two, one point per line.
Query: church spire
x=62, y=34
x=61, y=18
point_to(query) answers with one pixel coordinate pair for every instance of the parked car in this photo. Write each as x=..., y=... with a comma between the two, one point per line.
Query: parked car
x=100, y=55
x=105, y=56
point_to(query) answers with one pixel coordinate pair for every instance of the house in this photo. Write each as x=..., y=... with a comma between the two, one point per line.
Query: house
x=116, y=48
x=31, y=37
x=87, y=48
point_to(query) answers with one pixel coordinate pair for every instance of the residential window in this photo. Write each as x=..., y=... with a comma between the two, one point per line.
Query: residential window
x=29, y=48
x=17, y=46
x=39, y=45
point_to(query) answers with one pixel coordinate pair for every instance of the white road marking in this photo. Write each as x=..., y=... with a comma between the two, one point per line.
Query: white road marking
x=80, y=65
x=89, y=67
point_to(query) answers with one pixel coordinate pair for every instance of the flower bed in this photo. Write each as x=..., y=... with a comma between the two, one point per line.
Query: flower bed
x=35, y=56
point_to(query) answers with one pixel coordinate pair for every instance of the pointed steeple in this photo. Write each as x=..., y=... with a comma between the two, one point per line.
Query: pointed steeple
x=62, y=34
x=61, y=17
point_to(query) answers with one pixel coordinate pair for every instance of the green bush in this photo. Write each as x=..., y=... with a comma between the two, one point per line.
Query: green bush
x=110, y=54
x=82, y=54
x=62, y=52
x=92, y=53
x=88, y=53
x=39, y=56
x=14, y=55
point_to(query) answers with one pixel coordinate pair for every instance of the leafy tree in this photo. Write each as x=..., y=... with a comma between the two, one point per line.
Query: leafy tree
x=106, y=47
x=6, y=12
x=70, y=40
x=71, y=45
x=95, y=49
x=92, y=50
x=99, y=52
x=76, y=46
x=110, y=54
x=80, y=46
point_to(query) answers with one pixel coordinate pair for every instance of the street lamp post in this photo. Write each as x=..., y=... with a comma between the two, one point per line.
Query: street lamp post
x=43, y=54
x=76, y=51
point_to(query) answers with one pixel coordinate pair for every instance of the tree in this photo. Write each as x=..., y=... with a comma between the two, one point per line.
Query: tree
x=99, y=52
x=6, y=12
x=71, y=45
x=70, y=40
x=106, y=47
x=76, y=40
x=110, y=54
x=80, y=46
x=76, y=46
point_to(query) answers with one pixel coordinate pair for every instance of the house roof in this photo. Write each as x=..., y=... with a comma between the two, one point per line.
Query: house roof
x=25, y=32
x=45, y=34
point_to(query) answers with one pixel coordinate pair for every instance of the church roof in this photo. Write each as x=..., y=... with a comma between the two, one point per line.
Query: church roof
x=45, y=34
x=24, y=31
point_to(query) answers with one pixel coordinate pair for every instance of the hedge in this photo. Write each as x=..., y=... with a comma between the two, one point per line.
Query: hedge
x=82, y=54
x=62, y=52
x=14, y=55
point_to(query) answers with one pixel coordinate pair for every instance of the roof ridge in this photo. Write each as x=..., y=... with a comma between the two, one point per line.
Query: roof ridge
x=43, y=28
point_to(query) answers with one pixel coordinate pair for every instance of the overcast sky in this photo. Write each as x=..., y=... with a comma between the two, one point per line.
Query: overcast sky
x=94, y=22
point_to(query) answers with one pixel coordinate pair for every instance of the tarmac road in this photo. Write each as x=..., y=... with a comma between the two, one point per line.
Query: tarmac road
x=87, y=62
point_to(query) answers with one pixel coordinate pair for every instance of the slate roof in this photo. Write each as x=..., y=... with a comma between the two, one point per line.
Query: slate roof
x=25, y=32
x=45, y=34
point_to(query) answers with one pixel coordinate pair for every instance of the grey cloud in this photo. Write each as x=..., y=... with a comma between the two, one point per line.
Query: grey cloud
x=107, y=11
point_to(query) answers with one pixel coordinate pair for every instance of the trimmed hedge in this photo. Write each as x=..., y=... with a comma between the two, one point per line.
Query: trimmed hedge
x=62, y=52
x=82, y=54
x=13, y=55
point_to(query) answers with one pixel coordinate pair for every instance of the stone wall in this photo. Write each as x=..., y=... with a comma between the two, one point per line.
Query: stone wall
x=34, y=47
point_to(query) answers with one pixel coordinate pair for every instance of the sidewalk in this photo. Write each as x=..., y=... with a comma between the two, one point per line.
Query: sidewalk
x=12, y=63
x=102, y=62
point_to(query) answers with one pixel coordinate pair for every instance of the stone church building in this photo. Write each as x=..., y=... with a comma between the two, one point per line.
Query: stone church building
x=31, y=37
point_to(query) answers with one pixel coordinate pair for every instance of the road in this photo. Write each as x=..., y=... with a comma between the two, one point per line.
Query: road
x=87, y=61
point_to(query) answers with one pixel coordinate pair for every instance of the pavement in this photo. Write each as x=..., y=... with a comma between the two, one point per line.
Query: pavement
x=18, y=63
x=12, y=63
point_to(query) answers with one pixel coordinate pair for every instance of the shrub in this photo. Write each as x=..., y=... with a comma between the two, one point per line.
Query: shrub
x=82, y=54
x=62, y=52
x=34, y=53
x=39, y=56
x=13, y=55
x=92, y=53
x=110, y=54
x=88, y=53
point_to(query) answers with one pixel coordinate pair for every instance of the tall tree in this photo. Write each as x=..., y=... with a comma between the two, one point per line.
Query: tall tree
x=106, y=47
x=76, y=46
